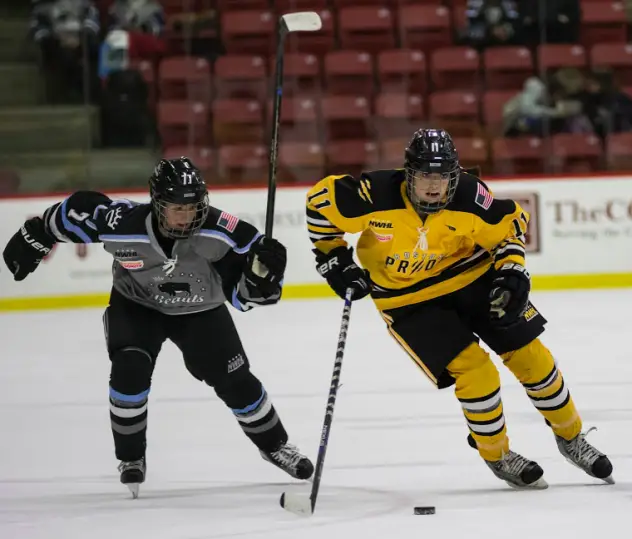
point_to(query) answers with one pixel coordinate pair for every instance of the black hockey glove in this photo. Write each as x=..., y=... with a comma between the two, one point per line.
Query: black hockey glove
x=27, y=247
x=510, y=294
x=342, y=272
x=265, y=267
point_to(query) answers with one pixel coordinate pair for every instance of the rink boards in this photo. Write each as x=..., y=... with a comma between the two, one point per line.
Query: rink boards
x=580, y=236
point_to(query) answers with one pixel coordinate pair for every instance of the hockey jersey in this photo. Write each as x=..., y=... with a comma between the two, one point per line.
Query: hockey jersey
x=411, y=259
x=199, y=273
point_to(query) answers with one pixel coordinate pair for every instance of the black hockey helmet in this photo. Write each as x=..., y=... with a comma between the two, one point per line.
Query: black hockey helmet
x=178, y=182
x=431, y=151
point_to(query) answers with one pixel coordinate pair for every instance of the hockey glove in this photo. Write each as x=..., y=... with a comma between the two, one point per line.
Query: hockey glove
x=342, y=272
x=27, y=247
x=265, y=267
x=510, y=294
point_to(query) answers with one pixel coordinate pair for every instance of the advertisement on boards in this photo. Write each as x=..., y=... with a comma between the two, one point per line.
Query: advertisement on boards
x=578, y=226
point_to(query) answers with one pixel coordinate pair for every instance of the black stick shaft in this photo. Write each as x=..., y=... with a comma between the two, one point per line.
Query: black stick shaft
x=276, y=121
x=331, y=400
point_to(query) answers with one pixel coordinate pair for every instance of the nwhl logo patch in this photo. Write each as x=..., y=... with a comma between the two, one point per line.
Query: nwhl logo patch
x=380, y=224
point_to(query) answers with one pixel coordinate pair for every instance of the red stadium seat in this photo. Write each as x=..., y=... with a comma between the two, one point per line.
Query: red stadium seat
x=603, y=22
x=183, y=122
x=346, y=117
x=425, y=27
x=349, y=73
x=472, y=151
x=614, y=56
x=243, y=164
x=366, y=28
x=398, y=115
x=524, y=155
x=506, y=68
x=455, y=68
x=493, y=104
x=456, y=111
x=555, y=56
x=249, y=31
x=301, y=74
x=183, y=77
x=619, y=151
x=238, y=76
x=352, y=156
x=300, y=162
x=237, y=121
x=403, y=71
x=392, y=152
x=576, y=152
x=300, y=119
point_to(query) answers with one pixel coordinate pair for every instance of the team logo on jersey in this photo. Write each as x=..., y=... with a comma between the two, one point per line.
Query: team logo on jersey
x=483, y=197
x=380, y=224
x=113, y=217
x=228, y=221
x=422, y=240
x=383, y=237
x=125, y=253
x=175, y=289
x=131, y=264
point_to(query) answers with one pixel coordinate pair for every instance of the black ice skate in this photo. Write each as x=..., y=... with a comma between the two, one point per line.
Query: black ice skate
x=583, y=455
x=518, y=472
x=133, y=474
x=288, y=458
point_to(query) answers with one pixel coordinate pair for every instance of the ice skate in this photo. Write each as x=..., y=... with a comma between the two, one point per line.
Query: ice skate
x=518, y=472
x=587, y=458
x=288, y=458
x=133, y=474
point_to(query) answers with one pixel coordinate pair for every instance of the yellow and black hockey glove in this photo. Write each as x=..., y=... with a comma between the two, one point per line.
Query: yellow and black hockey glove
x=342, y=272
x=509, y=295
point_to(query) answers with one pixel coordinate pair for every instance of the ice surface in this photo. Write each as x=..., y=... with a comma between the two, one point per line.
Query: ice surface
x=396, y=441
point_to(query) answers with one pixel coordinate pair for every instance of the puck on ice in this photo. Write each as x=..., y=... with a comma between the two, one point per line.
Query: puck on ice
x=427, y=510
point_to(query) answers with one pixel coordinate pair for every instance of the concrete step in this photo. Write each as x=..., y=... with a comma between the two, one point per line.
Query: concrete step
x=20, y=85
x=31, y=129
x=15, y=43
x=71, y=170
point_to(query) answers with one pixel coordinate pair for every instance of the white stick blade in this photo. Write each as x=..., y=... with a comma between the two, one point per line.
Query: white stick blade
x=297, y=504
x=304, y=21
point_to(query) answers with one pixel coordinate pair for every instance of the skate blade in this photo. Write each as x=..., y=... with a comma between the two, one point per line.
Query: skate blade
x=134, y=488
x=608, y=480
x=540, y=484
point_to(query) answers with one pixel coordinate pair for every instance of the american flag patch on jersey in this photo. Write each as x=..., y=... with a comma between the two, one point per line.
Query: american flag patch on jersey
x=228, y=221
x=483, y=197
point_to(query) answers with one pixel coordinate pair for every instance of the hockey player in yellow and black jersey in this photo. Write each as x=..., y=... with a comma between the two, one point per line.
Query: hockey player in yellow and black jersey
x=444, y=262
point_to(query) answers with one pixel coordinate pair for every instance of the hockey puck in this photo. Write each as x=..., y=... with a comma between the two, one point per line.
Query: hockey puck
x=426, y=510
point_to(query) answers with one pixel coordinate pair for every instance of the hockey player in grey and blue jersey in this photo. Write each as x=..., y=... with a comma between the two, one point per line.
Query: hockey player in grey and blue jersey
x=176, y=262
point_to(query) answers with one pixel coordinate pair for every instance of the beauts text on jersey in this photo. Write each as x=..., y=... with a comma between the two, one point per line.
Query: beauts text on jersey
x=411, y=259
x=199, y=273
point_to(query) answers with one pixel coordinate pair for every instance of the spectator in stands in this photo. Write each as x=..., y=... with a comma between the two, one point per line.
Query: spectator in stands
x=137, y=15
x=608, y=108
x=550, y=21
x=67, y=34
x=534, y=112
x=492, y=22
x=134, y=33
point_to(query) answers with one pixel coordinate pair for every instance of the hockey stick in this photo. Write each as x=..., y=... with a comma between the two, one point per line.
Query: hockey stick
x=304, y=21
x=296, y=503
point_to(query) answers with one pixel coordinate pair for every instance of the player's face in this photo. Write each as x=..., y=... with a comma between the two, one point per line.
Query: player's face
x=431, y=187
x=180, y=216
